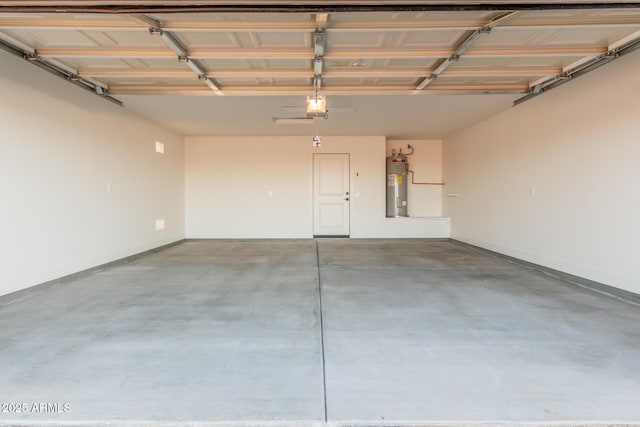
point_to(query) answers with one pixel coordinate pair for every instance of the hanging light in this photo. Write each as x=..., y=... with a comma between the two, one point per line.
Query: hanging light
x=317, y=106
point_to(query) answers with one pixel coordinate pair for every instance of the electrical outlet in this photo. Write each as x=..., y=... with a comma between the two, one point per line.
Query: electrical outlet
x=159, y=224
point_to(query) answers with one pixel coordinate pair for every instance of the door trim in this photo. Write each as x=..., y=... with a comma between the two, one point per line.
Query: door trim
x=313, y=199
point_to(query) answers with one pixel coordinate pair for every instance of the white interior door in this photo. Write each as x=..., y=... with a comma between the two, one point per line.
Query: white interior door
x=331, y=194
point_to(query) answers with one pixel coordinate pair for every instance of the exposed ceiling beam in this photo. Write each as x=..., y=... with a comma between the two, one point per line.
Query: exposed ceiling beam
x=153, y=53
x=533, y=51
x=241, y=73
x=463, y=45
x=178, y=49
x=150, y=53
x=567, y=22
x=244, y=26
x=54, y=23
x=504, y=72
x=351, y=72
x=328, y=90
x=383, y=88
x=57, y=23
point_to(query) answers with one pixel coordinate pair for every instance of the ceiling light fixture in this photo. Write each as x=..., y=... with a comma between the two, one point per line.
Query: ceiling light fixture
x=317, y=106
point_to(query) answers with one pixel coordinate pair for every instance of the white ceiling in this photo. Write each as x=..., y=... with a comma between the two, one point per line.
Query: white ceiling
x=395, y=116
x=397, y=73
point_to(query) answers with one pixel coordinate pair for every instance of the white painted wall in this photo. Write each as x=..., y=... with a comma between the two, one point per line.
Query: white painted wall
x=60, y=147
x=228, y=180
x=578, y=147
x=425, y=201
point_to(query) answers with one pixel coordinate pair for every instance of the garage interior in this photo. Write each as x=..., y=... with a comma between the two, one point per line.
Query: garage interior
x=189, y=242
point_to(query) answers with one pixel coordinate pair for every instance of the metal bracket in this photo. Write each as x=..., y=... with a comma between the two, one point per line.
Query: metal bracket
x=64, y=72
x=463, y=45
x=579, y=70
x=173, y=43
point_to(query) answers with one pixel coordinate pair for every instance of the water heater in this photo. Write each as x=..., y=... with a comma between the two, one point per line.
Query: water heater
x=397, y=174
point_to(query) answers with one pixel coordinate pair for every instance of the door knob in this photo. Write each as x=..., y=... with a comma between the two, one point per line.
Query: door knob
x=346, y=198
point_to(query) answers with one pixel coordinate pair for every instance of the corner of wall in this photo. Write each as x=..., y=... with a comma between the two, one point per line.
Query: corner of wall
x=85, y=182
x=551, y=180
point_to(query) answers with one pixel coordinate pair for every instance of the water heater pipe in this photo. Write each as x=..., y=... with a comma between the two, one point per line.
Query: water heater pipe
x=422, y=183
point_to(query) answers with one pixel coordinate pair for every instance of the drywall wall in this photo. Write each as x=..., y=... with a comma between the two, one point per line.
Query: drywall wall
x=81, y=182
x=555, y=180
x=262, y=187
x=228, y=181
x=425, y=200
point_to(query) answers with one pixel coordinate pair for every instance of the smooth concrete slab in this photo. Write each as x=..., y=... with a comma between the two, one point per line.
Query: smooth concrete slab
x=228, y=333
x=456, y=334
x=224, y=331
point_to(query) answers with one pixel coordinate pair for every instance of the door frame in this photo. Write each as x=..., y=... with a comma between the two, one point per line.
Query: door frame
x=313, y=196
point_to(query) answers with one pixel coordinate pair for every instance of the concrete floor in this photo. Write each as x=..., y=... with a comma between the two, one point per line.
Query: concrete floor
x=402, y=332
